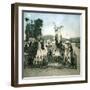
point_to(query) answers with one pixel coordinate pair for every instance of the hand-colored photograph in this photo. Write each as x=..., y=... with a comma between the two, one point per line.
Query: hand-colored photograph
x=51, y=44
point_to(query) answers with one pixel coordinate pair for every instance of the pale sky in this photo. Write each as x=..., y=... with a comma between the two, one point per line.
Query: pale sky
x=70, y=22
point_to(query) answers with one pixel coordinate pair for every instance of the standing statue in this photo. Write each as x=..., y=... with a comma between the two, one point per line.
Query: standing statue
x=58, y=35
x=59, y=41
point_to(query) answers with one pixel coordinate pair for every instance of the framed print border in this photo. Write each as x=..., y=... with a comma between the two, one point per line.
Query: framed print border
x=15, y=35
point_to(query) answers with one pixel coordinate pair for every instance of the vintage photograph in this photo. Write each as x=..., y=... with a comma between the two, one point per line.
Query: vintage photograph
x=51, y=43
x=48, y=44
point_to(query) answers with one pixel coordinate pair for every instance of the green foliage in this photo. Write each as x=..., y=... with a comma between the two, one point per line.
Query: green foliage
x=27, y=31
x=32, y=31
x=50, y=37
x=75, y=40
x=38, y=25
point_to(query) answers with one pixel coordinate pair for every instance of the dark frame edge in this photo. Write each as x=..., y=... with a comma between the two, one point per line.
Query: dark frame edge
x=14, y=45
x=86, y=41
x=51, y=83
x=50, y=6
